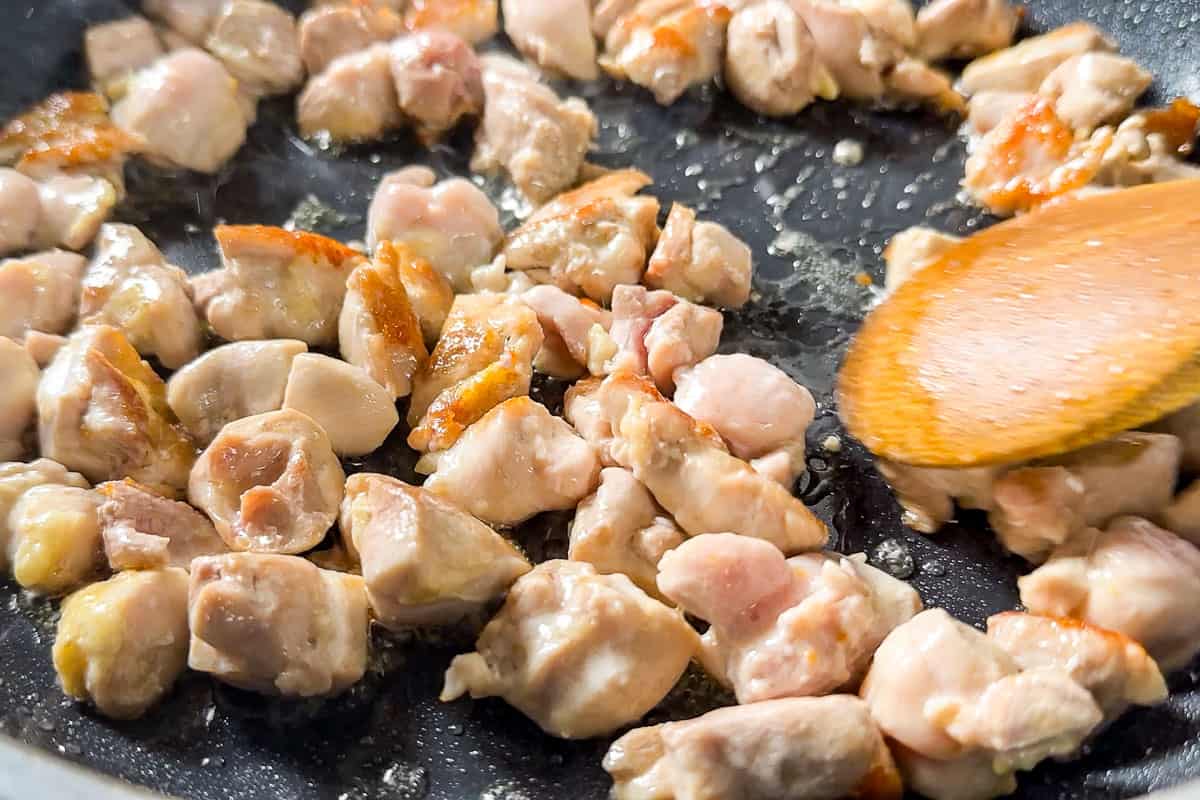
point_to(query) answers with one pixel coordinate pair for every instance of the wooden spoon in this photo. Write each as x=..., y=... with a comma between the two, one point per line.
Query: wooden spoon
x=1041, y=334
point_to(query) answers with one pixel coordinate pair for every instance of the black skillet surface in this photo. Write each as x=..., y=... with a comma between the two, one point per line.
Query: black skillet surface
x=813, y=225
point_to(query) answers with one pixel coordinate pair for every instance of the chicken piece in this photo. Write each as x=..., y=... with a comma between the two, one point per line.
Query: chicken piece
x=557, y=36
x=351, y=100
x=122, y=643
x=913, y=249
x=1092, y=89
x=43, y=346
x=185, y=106
x=620, y=530
x=102, y=411
x=20, y=211
x=527, y=130
x=485, y=356
x=425, y=561
x=472, y=20
x=855, y=55
x=783, y=627
x=1134, y=578
x=667, y=46
x=115, y=50
x=591, y=239
x=1149, y=147
x=1132, y=473
x=259, y=45
x=327, y=32
x=1036, y=509
x=928, y=494
x=580, y=654
x=566, y=323
x=913, y=82
x=190, y=19
x=668, y=452
x=141, y=529
x=605, y=14
x=277, y=624
x=41, y=292
x=54, y=538
x=278, y=284
x=517, y=461
x=657, y=333
x=1114, y=668
x=18, y=477
x=701, y=262
x=129, y=285
x=355, y=411
x=1023, y=67
x=987, y=109
x=438, y=81
x=1185, y=426
x=1182, y=517
x=810, y=747
x=72, y=210
x=19, y=375
x=451, y=223
x=965, y=28
x=270, y=483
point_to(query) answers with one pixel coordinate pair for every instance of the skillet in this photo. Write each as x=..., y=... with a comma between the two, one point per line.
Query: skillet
x=814, y=226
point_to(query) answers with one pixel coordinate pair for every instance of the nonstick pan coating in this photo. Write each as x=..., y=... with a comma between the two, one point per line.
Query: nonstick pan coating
x=814, y=227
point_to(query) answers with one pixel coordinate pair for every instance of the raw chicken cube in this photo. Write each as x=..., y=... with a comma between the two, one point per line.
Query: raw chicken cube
x=41, y=292
x=1023, y=67
x=557, y=36
x=965, y=28
x=911, y=250
x=54, y=538
x=656, y=334
x=18, y=477
x=20, y=211
x=438, y=81
x=141, y=529
x=116, y=50
x=566, y=323
x=351, y=100
x=43, y=346
x=700, y=261
x=260, y=46
x=472, y=20
x=1036, y=509
x=191, y=19
x=61, y=116
x=355, y=411
x=327, y=32
x=1092, y=89
x=19, y=375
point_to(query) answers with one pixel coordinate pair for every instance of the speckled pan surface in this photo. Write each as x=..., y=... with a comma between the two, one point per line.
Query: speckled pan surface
x=813, y=226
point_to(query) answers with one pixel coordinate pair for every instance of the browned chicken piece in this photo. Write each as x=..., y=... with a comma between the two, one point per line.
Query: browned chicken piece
x=580, y=654
x=451, y=223
x=122, y=643
x=259, y=45
x=656, y=333
x=20, y=211
x=1150, y=146
x=1023, y=67
x=351, y=100
x=987, y=109
x=327, y=32
x=1134, y=578
x=911, y=250
x=811, y=747
x=102, y=411
x=438, y=81
x=185, y=107
x=217, y=388
x=54, y=539
x=270, y=483
x=518, y=460
x=965, y=28
x=190, y=19
x=43, y=346
x=928, y=494
x=276, y=624
x=591, y=239
x=567, y=323
x=539, y=139
x=142, y=529
x=557, y=36
x=856, y=54
x=129, y=285
x=19, y=375
x=40, y=291
x=700, y=261
x=424, y=560
x=18, y=477
x=278, y=284
x=115, y=50
x=356, y=412
x=1092, y=89
x=484, y=357
x=472, y=20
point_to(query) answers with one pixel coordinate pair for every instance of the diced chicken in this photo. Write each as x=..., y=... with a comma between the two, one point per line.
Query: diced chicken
x=54, y=538
x=115, y=50
x=518, y=460
x=987, y=109
x=965, y=28
x=700, y=261
x=451, y=223
x=1092, y=89
x=425, y=561
x=583, y=409
x=351, y=100
x=566, y=324
x=913, y=82
x=771, y=62
x=185, y=106
x=782, y=627
x=72, y=210
x=1134, y=578
x=812, y=747
x=18, y=477
x=668, y=452
x=43, y=346
x=558, y=36
x=277, y=624
x=1023, y=67
x=355, y=411
x=913, y=249
x=1149, y=147
x=855, y=55
x=259, y=45
x=657, y=333
x=142, y=529
x=605, y=14
x=278, y=284
x=102, y=411
x=580, y=654
x=19, y=375
x=20, y=211
x=270, y=483
x=1036, y=510
x=327, y=32
x=1182, y=517
x=438, y=81
x=472, y=20
x=40, y=291
x=927, y=494
x=191, y=19
x=484, y=357
x=528, y=131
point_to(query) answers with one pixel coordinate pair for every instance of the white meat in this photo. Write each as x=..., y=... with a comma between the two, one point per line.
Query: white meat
x=700, y=261
x=353, y=99
x=354, y=410
x=557, y=36
x=438, y=81
x=259, y=45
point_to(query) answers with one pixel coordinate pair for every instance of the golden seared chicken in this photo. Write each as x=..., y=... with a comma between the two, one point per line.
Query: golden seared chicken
x=19, y=375
x=657, y=333
x=911, y=250
x=122, y=643
x=451, y=223
x=528, y=131
x=277, y=625
x=115, y=50
x=344, y=400
x=425, y=561
x=472, y=20
x=518, y=460
x=1095, y=88
x=40, y=291
x=141, y=529
x=18, y=477
x=259, y=45
x=674, y=456
x=329, y=31
x=1134, y=578
x=102, y=411
x=191, y=19
x=438, y=80
x=353, y=99
x=780, y=627
x=620, y=530
x=580, y=654
x=129, y=285
x=1024, y=66
x=769, y=433
x=428, y=291
x=54, y=543
x=804, y=748
x=567, y=324
x=20, y=211
x=276, y=284
x=700, y=261
x=484, y=357
x=965, y=28
x=557, y=36
x=270, y=483
x=217, y=388
x=928, y=494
